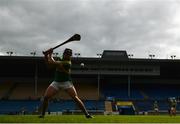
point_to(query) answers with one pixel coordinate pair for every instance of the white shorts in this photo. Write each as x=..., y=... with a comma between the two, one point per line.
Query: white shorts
x=172, y=108
x=156, y=109
x=61, y=85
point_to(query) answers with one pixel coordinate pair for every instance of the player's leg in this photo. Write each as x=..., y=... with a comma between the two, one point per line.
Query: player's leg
x=50, y=92
x=174, y=111
x=72, y=92
x=171, y=111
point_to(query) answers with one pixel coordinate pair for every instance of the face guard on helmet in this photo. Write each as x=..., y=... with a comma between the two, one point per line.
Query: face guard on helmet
x=68, y=52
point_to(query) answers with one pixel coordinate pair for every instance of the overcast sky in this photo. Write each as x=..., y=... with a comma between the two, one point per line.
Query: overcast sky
x=141, y=27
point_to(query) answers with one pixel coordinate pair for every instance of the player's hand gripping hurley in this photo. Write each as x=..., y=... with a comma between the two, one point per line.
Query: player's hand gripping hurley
x=75, y=37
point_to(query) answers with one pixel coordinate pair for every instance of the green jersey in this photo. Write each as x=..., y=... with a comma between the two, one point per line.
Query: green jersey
x=174, y=104
x=60, y=75
x=155, y=105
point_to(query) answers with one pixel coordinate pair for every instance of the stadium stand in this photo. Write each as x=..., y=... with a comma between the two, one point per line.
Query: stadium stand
x=163, y=91
x=31, y=106
x=111, y=79
x=5, y=88
x=85, y=91
x=22, y=91
x=18, y=106
x=41, y=88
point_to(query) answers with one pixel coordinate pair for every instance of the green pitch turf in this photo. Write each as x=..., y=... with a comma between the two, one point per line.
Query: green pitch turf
x=82, y=119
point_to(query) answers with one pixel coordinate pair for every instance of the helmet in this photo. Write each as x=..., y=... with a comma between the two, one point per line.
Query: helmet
x=67, y=51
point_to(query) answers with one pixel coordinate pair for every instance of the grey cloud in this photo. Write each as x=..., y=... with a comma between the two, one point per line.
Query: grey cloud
x=137, y=26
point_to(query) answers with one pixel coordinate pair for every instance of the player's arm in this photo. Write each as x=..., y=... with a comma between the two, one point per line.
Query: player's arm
x=46, y=55
x=49, y=58
x=58, y=64
x=46, y=58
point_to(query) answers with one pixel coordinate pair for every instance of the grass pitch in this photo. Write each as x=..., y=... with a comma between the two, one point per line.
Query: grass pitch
x=82, y=119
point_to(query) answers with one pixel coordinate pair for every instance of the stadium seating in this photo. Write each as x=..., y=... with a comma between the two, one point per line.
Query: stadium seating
x=140, y=91
x=41, y=88
x=22, y=91
x=19, y=95
x=85, y=91
x=5, y=88
x=61, y=105
x=142, y=95
x=162, y=93
x=18, y=106
x=31, y=106
x=120, y=91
